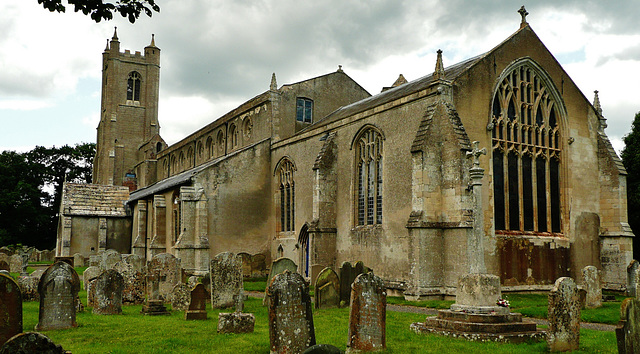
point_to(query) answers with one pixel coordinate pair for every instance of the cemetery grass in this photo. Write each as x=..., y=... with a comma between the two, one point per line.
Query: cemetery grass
x=132, y=332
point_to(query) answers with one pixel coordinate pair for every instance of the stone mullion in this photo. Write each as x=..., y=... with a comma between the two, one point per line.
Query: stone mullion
x=534, y=184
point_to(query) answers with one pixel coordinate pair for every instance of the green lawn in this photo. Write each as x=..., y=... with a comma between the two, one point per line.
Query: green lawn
x=132, y=332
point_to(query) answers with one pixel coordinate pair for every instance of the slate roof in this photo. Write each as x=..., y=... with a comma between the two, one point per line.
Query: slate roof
x=94, y=200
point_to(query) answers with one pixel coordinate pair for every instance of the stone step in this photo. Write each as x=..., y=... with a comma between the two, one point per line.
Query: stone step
x=480, y=327
x=479, y=318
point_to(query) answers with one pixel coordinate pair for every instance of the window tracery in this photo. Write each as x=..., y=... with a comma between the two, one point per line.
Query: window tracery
x=133, y=86
x=369, y=177
x=287, y=195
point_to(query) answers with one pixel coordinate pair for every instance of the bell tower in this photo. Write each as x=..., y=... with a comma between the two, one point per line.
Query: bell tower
x=128, y=132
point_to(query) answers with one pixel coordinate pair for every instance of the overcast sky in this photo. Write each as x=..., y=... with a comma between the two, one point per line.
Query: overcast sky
x=218, y=54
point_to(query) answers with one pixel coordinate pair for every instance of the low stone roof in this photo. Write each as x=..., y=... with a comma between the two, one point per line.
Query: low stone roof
x=94, y=200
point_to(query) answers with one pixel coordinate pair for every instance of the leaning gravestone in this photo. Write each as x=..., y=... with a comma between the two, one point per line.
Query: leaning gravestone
x=165, y=268
x=131, y=267
x=58, y=289
x=628, y=332
x=10, y=308
x=179, y=297
x=226, y=279
x=278, y=266
x=591, y=283
x=197, y=304
x=367, y=315
x=348, y=274
x=290, y=318
x=632, y=270
x=327, y=289
x=564, y=316
x=31, y=342
x=108, y=293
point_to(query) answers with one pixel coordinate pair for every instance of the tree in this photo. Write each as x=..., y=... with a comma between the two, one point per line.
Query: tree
x=31, y=191
x=631, y=161
x=100, y=10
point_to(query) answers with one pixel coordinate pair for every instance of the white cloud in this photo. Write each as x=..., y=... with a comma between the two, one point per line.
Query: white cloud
x=24, y=104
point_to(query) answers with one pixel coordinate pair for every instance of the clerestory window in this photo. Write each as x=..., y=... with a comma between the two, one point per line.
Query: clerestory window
x=527, y=153
x=369, y=177
x=133, y=86
x=304, y=110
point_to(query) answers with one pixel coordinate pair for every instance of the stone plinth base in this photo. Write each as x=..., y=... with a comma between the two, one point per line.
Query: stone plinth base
x=154, y=308
x=495, y=327
x=195, y=315
x=236, y=322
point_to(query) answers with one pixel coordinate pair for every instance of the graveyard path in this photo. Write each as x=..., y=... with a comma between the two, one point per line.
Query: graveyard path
x=432, y=312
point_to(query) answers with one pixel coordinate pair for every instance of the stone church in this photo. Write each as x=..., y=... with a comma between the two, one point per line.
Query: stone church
x=322, y=172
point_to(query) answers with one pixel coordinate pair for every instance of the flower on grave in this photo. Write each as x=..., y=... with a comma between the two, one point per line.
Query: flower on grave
x=502, y=302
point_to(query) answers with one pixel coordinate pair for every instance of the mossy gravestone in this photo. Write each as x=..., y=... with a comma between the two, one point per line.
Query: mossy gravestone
x=327, y=289
x=226, y=279
x=31, y=342
x=564, y=316
x=10, y=308
x=367, y=315
x=278, y=266
x=108, y=293
x=628, y=333
x=58, y=289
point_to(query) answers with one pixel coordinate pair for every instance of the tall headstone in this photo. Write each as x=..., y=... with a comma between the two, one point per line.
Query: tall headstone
x=632, y=270
x=327, y=289
x=17, y=264
x=367, y=316
x=131, y=267
x=198, y=303
x=564, y=316
x=290, y=318
x=278, y=266
x=628, y=332
x=180, y=297
x=166, y=270
x=31, y=342
x=108, y=293
x=29, y=288
x=58, y=289
x=591, y=283
x=226, y=279
x=10, y=308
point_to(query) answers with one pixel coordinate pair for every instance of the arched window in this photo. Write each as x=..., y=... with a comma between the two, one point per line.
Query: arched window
x=248, y=128
x=526, y=140
x=368, y=148
x=158, y=147
x=133, y=86
x=190, y=157
x=209, y=146
x=220, y=142
x=286, y=188
x=233, y=134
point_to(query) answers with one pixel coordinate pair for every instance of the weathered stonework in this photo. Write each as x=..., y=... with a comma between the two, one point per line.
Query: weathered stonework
x=368, y=314
x=31, y=342
x=226, y=279
x=58, y=289
x=197, y=303
x=564, y=316
x=236, y=322
x=591, y=283
x=628, y=331
x=10, y=308
x=108, y=289
x=327, y=289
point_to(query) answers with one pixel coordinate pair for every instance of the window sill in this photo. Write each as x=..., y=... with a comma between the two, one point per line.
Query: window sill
x=510, y=233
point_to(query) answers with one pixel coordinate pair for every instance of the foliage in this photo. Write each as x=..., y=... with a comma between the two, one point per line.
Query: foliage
x=631, y=161
x=31, y=191
x=100, y=10
x=132, y=332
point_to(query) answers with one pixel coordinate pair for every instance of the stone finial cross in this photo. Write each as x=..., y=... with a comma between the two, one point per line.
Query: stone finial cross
x=523, y=12
x=476, y=154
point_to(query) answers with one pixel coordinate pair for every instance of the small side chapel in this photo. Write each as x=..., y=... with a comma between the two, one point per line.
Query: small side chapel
x=322, y=172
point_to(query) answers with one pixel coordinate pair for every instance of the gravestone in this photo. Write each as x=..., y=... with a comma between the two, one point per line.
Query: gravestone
x=5, y=257
x=90, y=274
x=31, y=342
x=197, y=304
x=564, y=316
x=258, y=265
x=58, y=289
x=154, y=304
x=322, y=349
x=278, y=266
x=246, y=264
x=591, y=283
x=367, y=315
x=108, y=293
x=226, y=279
x=131, y=267
x=68, y=260
x=180, y=296
x=78, y=260
x=17, y=264
x=29, y=288
x=348, y=274
x=193, y=281
x=628, y=331
x=632, y=270
x=109, y=258
x=94, y=260
x=10, y=308
x=166, y=270
x=4, y=265
x=327, y=289
x=290, y=318
x=37, y=273
x=236, y=322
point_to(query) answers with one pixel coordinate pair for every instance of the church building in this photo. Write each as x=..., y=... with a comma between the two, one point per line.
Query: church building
x=322, y=172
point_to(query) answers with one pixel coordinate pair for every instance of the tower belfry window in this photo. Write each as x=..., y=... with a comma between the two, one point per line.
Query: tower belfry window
x=526, y=153
x=133, y=86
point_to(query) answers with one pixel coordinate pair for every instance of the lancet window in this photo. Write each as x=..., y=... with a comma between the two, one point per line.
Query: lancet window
x=527, y=153
x=368, y=148
x=287, y=195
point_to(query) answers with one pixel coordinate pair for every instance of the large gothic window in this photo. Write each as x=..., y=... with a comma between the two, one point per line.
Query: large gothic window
x=286, y=188
x=133, y=86
x=526, y=153
x=368, y=147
